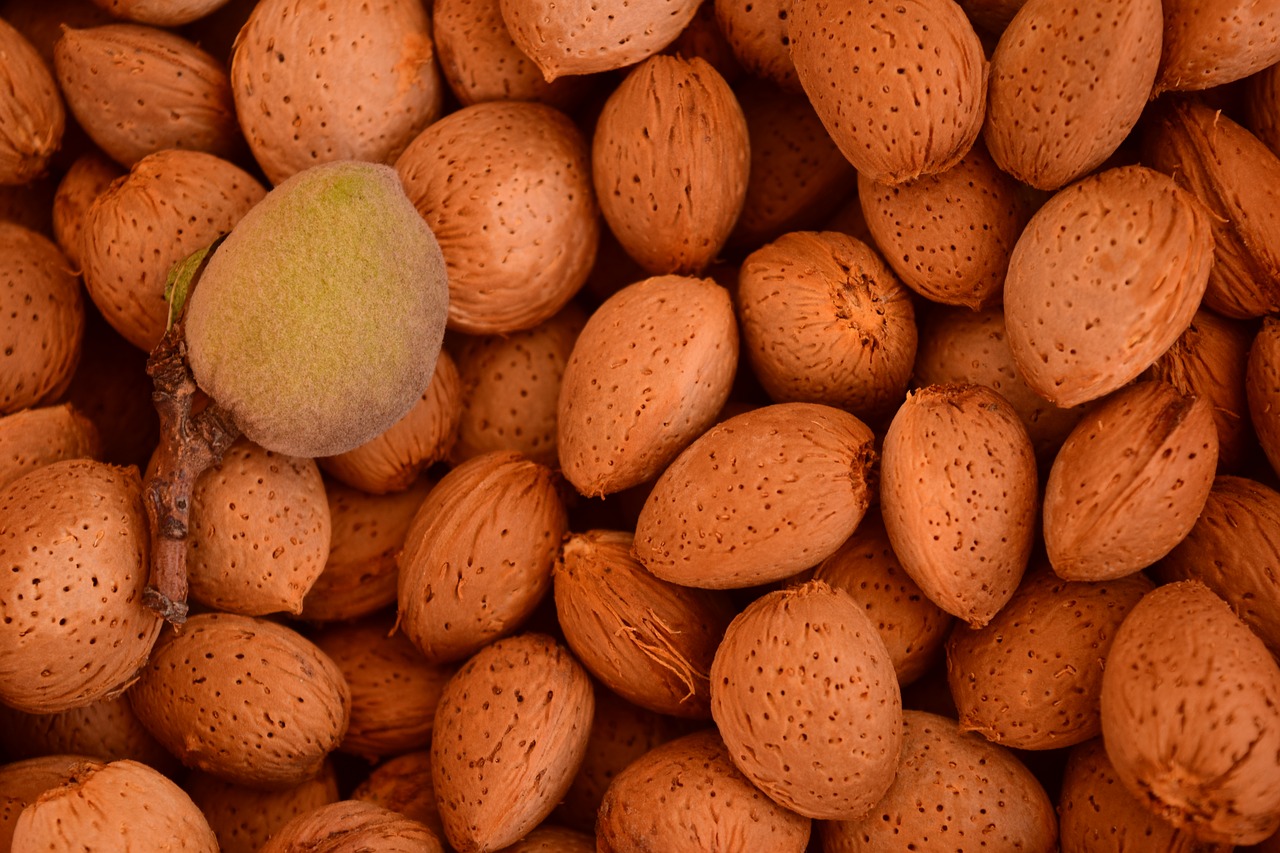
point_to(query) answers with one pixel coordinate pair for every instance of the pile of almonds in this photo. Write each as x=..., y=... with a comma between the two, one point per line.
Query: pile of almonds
x=857, y=430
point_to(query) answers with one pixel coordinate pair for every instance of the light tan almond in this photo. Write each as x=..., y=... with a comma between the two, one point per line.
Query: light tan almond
x=648, y=374
x=32, y=117
x=1103, y=280
x=244, y=818
x=758, y=497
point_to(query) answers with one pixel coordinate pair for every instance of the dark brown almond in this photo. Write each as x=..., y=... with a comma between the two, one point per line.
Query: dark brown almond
x=670, y=189
x=950, y=235
x=244, y=818
x=1182, y=655
x=1031, y=679
x=804, y=694
x=954, y=786
x=1147, y=452
x=825, y=321
x=901, y=87
x=758, y=497
x=1211, y=42
x=959, y=498
x=87, y=178
x=1262, y=388
x=478, y=171
x=1105, y=277
x=34, y=438
x=32, y=117
x=352, y=826
x=648, y=374
x=1262, y=106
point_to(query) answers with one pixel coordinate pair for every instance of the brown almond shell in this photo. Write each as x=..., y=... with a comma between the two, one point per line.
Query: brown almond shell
x=757, y=32
x=161, y=13
x=554, y=839
x=1211, y=42
x=403, y=785
x=1262, y=388
x=1262, y=106
x=32, y=115
x=33, y=438
x=22, y=782
x=107, y=730
x=86, y=179
x=352, y=826
x=244, y=818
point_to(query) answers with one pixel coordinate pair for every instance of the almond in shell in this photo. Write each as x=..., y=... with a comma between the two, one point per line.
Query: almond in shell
x=403, y=785
x=758, y=497
x=757, y=32
x=22, y=782
x=1262, y=106
x=32, y=117
x=352, y=826
x=106, y=730
x=1211, y=42
x=244, y=818
x=648, y=374
x=161, y=13
x=33, y=438
x=86, y=179
x=1262, y=388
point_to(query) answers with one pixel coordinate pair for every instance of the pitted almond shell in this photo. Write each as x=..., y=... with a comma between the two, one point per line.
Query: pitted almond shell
x=1262, y=106
x=958, y=492
x=353, y=825
x=32, y=117
x=244, y=818
x=86, y=179
x=33, y=438
x=1262, y=388
x=1146, y=452
x=647, y=375
x=107, y=730
x=757, y=32
x=161, y=13
x=22, y=782
x=403, y=785
x=1211, y=42
x=554, y=839
x=758, y=497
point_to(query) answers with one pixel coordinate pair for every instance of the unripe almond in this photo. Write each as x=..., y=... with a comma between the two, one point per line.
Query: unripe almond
x=1211, y=42
x=646, y=639
x=137, y=90
x=825, y=321
x=143, y=225
x=1103, y=280
x=74, y=630
x=41, y=298
x=1238, y=179
x=1146, y=452
x=392, y=461
x=511, y=731
x=87, y=178
x=31, y=112
x=671, y=190
x=259, y=531
x=244, y=818
x=952, y=786
x=661, y=802
x=34, y=438
x=315, y=83
x=648, y=374
x=1031, y=679
x=107, y=730
x=900, y=87
x=22, y=782
x=352, y=826
x=511, y=388
x=479, y=554
x=958, y=493
x=403, y=785
x=586, y=36
x=949, y=236
x=366, y=533
x=757, y=31
x=481, y=169
x=161, y=13
x=244, y=699
x=1068, y=83
x=804, y=694
x=758, y=497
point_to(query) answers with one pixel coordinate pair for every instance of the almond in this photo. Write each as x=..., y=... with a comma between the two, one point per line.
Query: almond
x=511, y=731
x=1262, y=106
x=106, y=730
x=913, y=627
x=1097, y=814
x=900, y=87
x=648, y=374
x=143, y=225
x=22, y=782
x=758, y=497
x=506, y=188
x=511, y=388
x=804, y=694
x=244, y=699
x=403, y=785
x=161, y=13
x=646, y=639
x=73, y=629
x=479, y=554
x=1234, y=549
x=554, y=839
x=1103, y=280
x=259, y=531
x=44, y=307
x=481, y=62
x=34, y=438
x=1210, y=360
x=31, y=112
x=1211, y=42
x=950, y=235
x=392, y=461
x=959, y=497
x=757, y=31
x=1146, y=452
x=366, y=533
x=349, y=826
x=244, y=818
x=1182, y=655
x=87, y=178
x=670, y=189
x=1262, y=387
x=112, y=388
x=972, y=347
x=394, y=690
x=1031, y=679
x=662, y=801
x=89, y=806
x=955, y=787
x=702, y=37
x=137, y=90
x=315, y=83
x=1068, y=83
x=586, y=36
x=825, y=321
x=797, y=174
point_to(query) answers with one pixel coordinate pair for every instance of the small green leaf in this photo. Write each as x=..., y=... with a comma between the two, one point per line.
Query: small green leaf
x=182, y=277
